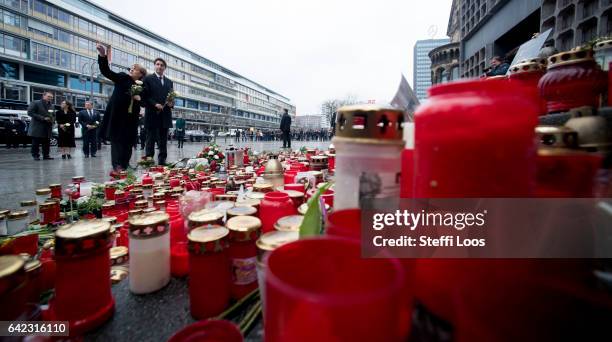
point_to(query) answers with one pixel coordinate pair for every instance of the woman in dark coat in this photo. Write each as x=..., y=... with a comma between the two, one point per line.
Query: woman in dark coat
x=119, y=124
x=66, y=118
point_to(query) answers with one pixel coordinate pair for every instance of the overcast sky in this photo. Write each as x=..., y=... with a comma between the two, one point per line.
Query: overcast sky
x=308, y=50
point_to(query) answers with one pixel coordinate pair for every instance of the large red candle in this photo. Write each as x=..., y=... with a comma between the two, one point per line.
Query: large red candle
x=13, y=294
x=82, y=288
x=244, y=232
x=273, y=206
x=210, y=271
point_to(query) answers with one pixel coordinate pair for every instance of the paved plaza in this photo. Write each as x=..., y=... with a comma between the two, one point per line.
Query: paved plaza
x=20, y=175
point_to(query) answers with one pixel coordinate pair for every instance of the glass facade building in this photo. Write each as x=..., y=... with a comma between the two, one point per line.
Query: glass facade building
x=422, y=65
x=50, y=45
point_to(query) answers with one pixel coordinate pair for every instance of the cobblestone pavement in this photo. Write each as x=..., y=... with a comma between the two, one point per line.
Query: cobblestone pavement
x=20, y=175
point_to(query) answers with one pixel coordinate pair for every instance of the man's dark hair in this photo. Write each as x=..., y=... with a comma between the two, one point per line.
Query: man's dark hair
x=286, y=111
x=498, y=58
x=160, y=60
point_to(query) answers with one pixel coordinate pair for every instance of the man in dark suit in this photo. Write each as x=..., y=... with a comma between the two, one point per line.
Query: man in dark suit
x=285, y=127
x=89, y=120
x=42, y=114
x=158, y=112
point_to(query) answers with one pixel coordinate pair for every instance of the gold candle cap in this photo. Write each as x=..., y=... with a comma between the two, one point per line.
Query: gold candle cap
x=370, y=124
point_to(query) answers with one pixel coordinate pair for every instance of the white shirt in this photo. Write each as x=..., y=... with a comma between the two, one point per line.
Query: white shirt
x=161, y=78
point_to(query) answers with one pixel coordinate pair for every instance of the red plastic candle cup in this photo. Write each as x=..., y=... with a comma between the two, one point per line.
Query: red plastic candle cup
x=208, y=331
x=566, y=173
x=13, y=291
x=295, y=187
x=210, y=272
x=109, y=191
x=243, y=234
x=289, y=177
x=179, y=259
x=344, y=223
x=273, y=206
x=175, y=182
x=82, y=287
x=304, y=289
x=328, y=197
x=472, y=134
x=56, y=191
x=216, y=191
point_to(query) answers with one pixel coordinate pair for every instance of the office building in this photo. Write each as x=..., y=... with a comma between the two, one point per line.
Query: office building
x=422, y=65
x=51, y=45
x=308, y=122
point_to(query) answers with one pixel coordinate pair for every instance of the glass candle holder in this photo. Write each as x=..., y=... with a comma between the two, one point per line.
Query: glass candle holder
x=42, y=195
x=289, y=223
x=210, y=271
x=361, y=303
x=82, y=287
x=32, y=207
x=266, y=244
x=368, y=146
x=149, y=252
x=13, y=294
x=205, y=217
x=241, y=210
x=244, y=232
x=17, y=222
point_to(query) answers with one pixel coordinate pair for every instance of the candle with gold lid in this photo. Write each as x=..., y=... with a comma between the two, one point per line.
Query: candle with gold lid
x=296, y=196
x=17, y=222
x=266, y=244
x=368, y=141
x=46, y=211
x=263, y=187
x=42, y=195
x=56, y=190
x=119, y=255
x=241, y=210
x=244, y=232
x=290, y=223
x=82, y=290
x=32, y=207
x=12, y=289
x=149, y=252
x=205, y=217
x=251, y=202
x=226, y=197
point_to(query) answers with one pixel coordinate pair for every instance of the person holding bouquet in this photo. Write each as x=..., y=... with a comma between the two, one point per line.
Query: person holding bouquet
x=120, y=122
x=66, y=118
x=159, y=101
x=90, y=121
x=41, y=111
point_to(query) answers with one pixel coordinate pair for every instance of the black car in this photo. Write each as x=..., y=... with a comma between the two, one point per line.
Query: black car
x=14, y=131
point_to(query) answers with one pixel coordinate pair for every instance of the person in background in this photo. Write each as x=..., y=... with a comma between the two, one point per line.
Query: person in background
x=41, y=112
x=90, y=121
x=66, y=119
x=285, y=127
x=120, y=125
x=237, y=133
x=158, y=111
x=179, y=131
x=498, y=67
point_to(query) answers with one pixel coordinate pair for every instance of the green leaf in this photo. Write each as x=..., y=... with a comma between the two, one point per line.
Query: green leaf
x=312, y=225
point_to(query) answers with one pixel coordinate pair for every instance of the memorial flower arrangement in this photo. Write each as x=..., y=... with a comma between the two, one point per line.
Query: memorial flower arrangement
x=136, y=89
x=146, y=162
x=213, y=153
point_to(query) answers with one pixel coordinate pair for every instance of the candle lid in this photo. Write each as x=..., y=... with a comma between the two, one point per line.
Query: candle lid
x=148, y=225
x=290, y=223
x=526, y=67
x=249, y=202
x=10, y=264
x=4, y=212
x=272, y=240
x=119, y=193
x=28, y=203
x=108, y=205
x=208, y=239
x=604, y=44
x=293, y=193
x=319, y=159
x=159, y=196
x=148, y=210
x=244, y=228
x=55, y=185
x=82, y=237
x=141, y=204
x=263, y=187
x=118, y=255
x=557, y=136
x=78, y=178
x=110, y=219
x=17, y=214
x=226, y=197
x=136, y=191
x=32, y=265
x=109, y=184
x=205, y=216
x=573, y=56
x=42, y=192
x=46, y=205
x=118, y=273
x=372, y=124
x=242, y=210
x=219, y=205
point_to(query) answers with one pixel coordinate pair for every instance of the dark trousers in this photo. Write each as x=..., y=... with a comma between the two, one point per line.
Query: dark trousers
x=286, y=139
x=159, y=135
x=36, y=142
x=90, y=143
x=143, y=139
x=181, y=140
x=120, y=155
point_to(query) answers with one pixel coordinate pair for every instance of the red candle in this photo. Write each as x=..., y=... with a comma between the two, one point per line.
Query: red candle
x=244, y=232
x=56, y=190
x=273, y=206
x=13, y=294
x=208, y=331
x=294, y=186
x=345, y=223
x=82, y=288
x=362, y=302
x=210, y=272
x=109, y=191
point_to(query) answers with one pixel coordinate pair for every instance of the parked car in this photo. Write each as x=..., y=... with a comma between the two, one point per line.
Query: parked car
x=78, y=133
x=14, y=127
x=197, y=136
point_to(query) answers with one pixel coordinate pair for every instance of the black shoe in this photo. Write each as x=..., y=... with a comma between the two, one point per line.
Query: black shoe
x=48, y=158
x=87, y=156
x=63, y=156
x=69, y=157
x=36, y=158
x=93, y=155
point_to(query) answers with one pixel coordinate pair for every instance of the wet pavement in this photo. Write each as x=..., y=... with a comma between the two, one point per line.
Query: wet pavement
x=20, y=175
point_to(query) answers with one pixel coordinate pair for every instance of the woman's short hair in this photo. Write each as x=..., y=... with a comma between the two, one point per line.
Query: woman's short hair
x=143, y=70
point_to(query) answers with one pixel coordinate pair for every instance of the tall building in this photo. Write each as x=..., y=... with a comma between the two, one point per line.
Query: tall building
x=422, y=65
x=310, y=122
x=51, y=45
x=499, y=27
x=445, y=58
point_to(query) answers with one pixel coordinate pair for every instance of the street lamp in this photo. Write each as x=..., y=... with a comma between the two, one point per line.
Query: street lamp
x=91, y=74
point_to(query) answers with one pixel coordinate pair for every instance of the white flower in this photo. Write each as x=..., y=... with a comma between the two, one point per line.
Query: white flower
x=216, y=157
x=97, y=123
x=51, y=111
x=67, y=124
x=139, y=82
x=210, y=153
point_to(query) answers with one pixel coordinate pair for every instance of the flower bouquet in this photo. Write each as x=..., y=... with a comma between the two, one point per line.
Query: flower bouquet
x=136, y=89
x=213, y=154
x=146, y=162
x=171, y=96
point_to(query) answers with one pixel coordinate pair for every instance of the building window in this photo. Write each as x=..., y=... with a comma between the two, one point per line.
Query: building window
x=37, y=75
x=13, y=46
x=83, y=84
x=13, y=92
x=205, y=106
x=9, y=70
x=191, y=104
